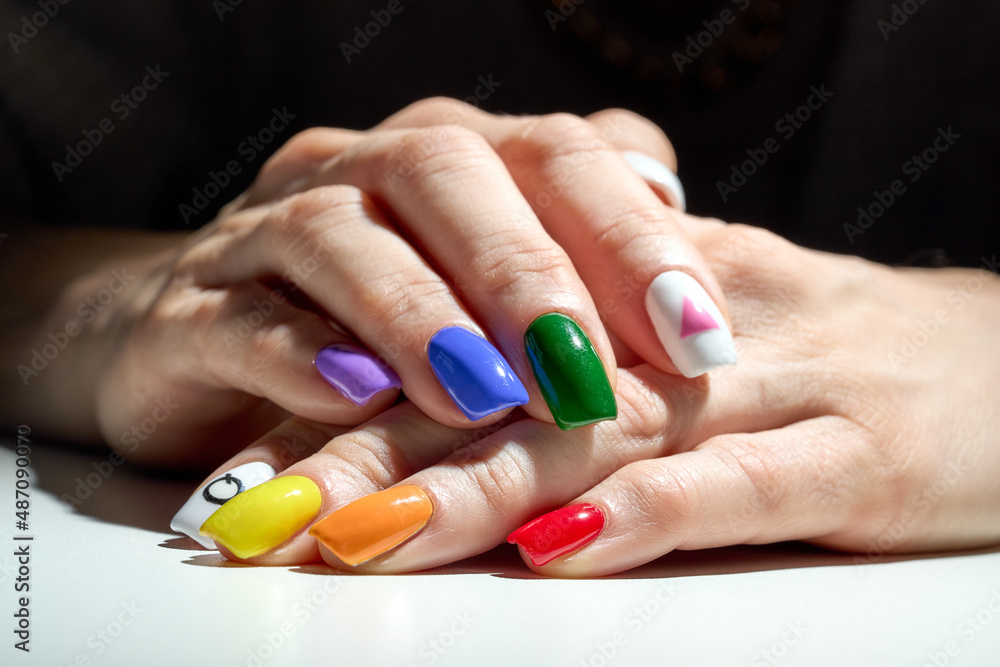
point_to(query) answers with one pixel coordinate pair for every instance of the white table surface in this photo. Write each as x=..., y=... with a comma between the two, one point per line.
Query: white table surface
x=111, y=585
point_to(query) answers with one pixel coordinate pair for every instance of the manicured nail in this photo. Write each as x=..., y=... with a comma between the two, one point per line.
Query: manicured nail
x=659, y=176
x=558, y=533
x=569, y=372
x=256, y=521
x=354, y=372
x=472, y=371
x=689, y=324
x=223, y=488
x=372, y=525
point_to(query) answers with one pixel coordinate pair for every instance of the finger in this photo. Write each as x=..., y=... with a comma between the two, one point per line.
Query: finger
x=251, y=339
x=457, y=202
x=320, y=467
x=267, y=526
x=290, y=442
x=628, y=131
x=457, y=493
x=648, y=281
x=292, y=166
x=470, y=501
x=647, y=150
x=336, y=245
x=813, y=480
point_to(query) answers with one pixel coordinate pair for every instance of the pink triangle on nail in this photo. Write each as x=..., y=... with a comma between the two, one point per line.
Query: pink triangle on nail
x=695, y=320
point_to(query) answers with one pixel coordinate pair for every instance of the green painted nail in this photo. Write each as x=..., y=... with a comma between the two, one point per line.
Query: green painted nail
x=569, y=372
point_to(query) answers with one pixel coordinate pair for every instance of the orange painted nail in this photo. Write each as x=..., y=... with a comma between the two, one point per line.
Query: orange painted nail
x=372, y=525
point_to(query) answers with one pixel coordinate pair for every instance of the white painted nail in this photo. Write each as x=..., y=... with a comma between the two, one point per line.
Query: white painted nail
x=210, y=497
x=689, y=324
x=659, y=176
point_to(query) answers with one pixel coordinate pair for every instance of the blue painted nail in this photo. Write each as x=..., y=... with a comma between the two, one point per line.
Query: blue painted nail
x=471, y=370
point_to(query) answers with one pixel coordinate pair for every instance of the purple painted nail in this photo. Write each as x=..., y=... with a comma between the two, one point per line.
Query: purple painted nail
x=354, y=372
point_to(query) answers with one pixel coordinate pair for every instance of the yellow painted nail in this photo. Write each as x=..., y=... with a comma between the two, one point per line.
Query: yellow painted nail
x=372, y=525
x=261, y=518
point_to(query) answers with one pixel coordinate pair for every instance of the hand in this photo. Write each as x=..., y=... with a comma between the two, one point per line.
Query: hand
x=859, y=419
x=399, y=253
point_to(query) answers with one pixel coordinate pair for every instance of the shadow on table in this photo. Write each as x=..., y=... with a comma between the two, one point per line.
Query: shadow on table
x=124, y=494
x=504, y=562
x=132, y=496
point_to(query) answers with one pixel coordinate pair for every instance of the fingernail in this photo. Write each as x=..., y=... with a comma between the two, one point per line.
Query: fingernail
x=373, y=525
x=207, y=500
x=472, y=371
x=689, y=324
x=256, y=521
x=559, y=532
x=659, y=176
x=569, y=373
x=355, y=372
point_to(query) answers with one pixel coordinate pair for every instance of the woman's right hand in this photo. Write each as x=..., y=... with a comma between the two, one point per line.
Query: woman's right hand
x=390, y=258
x=861, y=417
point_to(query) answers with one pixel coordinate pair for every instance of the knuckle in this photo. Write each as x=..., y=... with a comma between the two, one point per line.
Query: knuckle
x=367, y=458
x=315, y=144
x=440, y=151
x=307, y=218
x=438, y=109
x=743, y=245
x=762, y=473
x=895, y=479
x=642, y=414
x=619, y=123
x=266, y=348
x=659, y=498
x=499, y=476
x=389, y=298
x=515, y=264
x=756, y=265
x=559, y=135
x=639, y=226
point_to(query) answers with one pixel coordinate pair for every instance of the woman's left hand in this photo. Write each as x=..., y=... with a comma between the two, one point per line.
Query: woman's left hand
x=861, y=417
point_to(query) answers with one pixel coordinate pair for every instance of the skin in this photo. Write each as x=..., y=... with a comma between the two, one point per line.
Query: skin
x=363, y=238
x=819, y=433
x=830, y=430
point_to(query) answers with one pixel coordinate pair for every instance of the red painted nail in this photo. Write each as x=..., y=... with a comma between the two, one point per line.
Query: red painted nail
x=559, y=532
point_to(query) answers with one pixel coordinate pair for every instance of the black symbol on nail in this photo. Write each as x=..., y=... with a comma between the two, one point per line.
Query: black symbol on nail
x=227, y=494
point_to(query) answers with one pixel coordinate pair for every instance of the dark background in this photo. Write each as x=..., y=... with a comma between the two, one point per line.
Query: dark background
x=890, y=97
